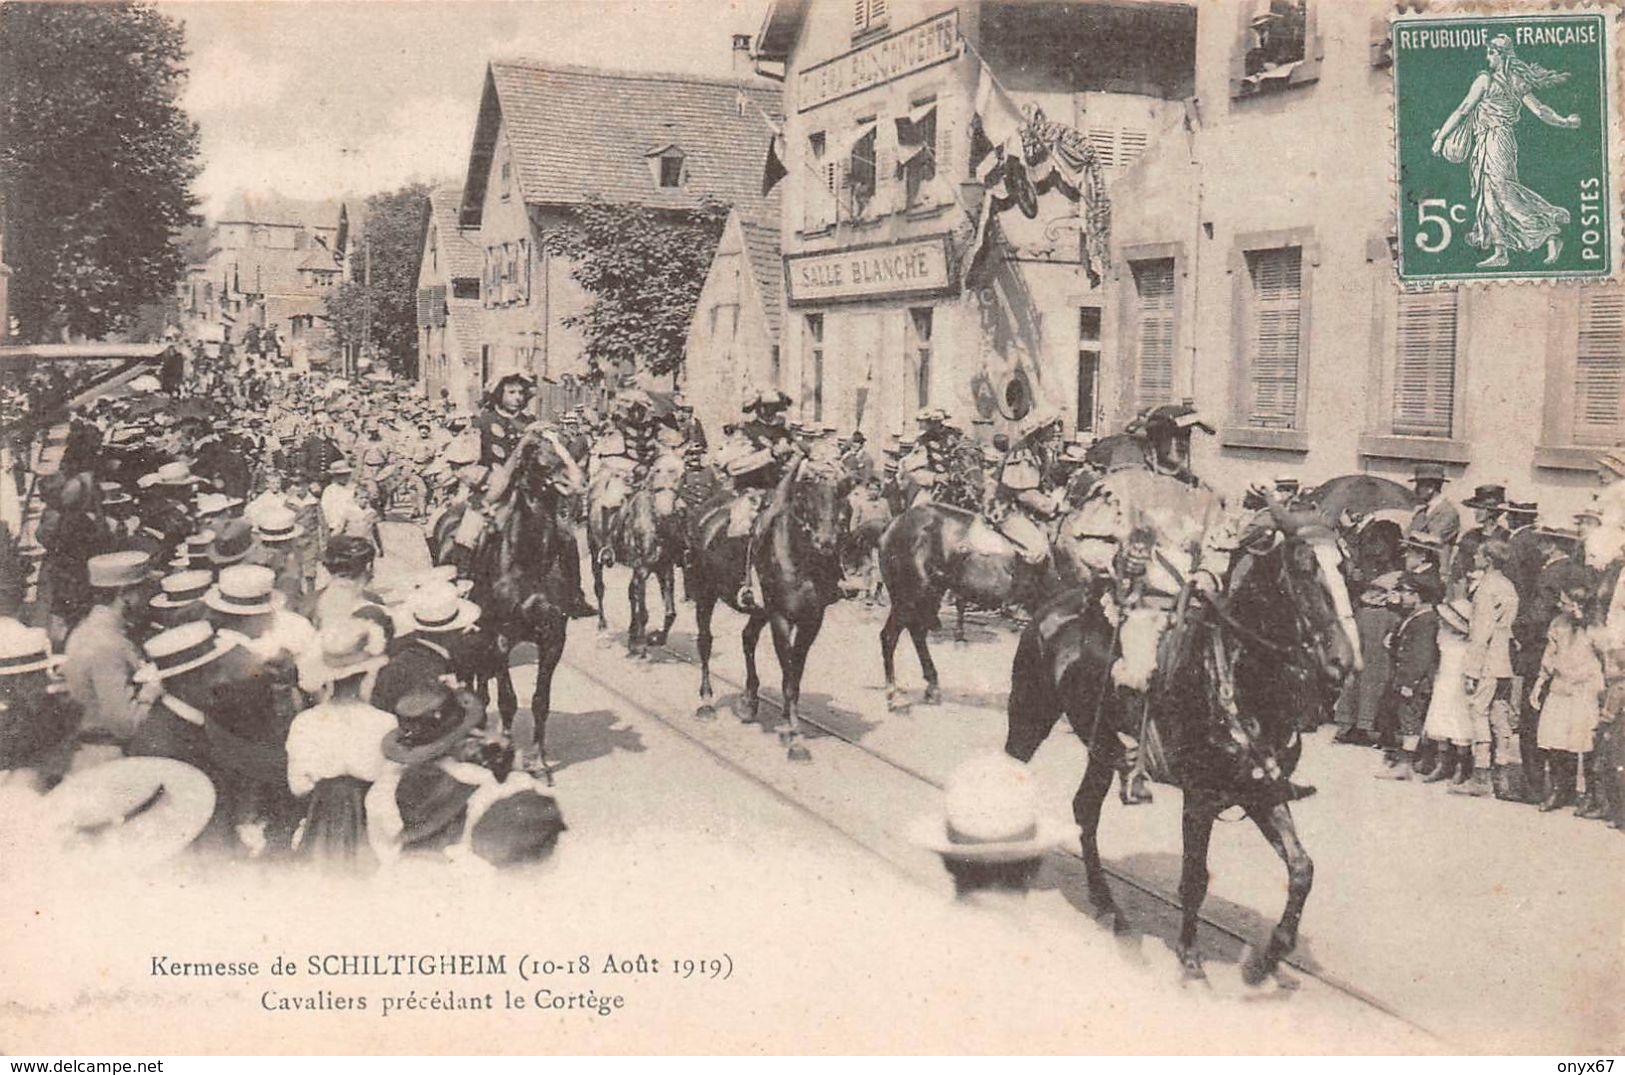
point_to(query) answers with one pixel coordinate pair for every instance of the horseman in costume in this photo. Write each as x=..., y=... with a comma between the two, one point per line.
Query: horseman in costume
x=927, y=466
x=621, y=461
x=504, y=418
x=763, y=444
x=1024, y=505
x=1148, y=539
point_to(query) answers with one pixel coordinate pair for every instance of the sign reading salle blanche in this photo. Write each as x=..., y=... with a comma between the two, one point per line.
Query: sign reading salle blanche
x=918, y=47
x=907, y=268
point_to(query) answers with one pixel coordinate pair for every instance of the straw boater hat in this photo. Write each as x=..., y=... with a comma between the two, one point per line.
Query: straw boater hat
x=24, y=649
x=232, y=543
x=277, y=525
x=196, y=552
x=245, y=590
x=432, y=720
x=1556, y=527
x=215, y=503
x=131, y=811
x=340, y=468
x=116, y=570
x=181, y=649
x=170, y=474
x=1526, y=511
x=440, y=610
x=990, y=814
x=113, y=495
x=182, y=588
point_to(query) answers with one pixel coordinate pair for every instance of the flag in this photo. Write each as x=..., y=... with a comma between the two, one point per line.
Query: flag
x=343, y=235
x=995, y=127
x=1067, y=159
x=774, y=170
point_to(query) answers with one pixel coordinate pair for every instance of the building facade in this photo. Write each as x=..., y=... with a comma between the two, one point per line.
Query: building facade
x=889, y=308
x=1254, y=272
x=548, y=139
x=733, y=341
x=449, y=306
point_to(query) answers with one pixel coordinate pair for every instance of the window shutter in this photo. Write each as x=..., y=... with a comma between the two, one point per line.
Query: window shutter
x=1104, y=139
x=1154, y=291
x=1277, y=278
x=1425, y=364
x=877, y=12
x=1131, y=145
x=860, y=15
x=1599, y=366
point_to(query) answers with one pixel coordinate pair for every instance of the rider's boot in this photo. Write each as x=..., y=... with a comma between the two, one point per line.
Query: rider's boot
x=1133, y=787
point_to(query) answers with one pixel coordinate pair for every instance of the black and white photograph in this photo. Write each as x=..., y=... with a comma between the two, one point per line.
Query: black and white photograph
x=811, y=527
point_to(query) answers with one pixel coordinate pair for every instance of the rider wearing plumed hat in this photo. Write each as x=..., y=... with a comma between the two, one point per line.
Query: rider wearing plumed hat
x=765, y=442
x=504, y=417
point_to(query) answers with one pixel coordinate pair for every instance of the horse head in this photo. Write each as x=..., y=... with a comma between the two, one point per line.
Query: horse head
x=818, y=504
x=1300, y=585
x=542, y=468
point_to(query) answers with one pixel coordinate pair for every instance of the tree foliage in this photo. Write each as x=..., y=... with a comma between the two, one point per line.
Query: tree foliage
x=644, y=269
x=395, y=225
x=97, y=160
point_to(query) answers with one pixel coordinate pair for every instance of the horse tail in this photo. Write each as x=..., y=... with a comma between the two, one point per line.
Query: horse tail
x=1033, y=707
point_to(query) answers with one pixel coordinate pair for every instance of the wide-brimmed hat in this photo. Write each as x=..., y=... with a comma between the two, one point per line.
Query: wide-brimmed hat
x=1560, y=527
x=339, y=467
x=1526, y=510
x=1428, y=472
x=518, y=829
x=1489, y=497
x=215, y=503
x=182, y=588
x=1589, y=513
x=1182, y=417
x=440, y=610
x=232, y=543
x=24, y=648
x=132, y=811
x=245, y=590
x=349, y=648
x=115, y=570
x=767, y=400
x=431, y=720
x=181, y=649
x=929, y=415
x=990, y=814
x=113, y=494
x=1458, y=614
x=173, y=474
x=276, y=525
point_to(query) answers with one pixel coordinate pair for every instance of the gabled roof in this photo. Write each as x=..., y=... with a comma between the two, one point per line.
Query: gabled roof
x=575, y=132
x=319, y=260
x=254, y=207
x=460, y=256
x=762, y=253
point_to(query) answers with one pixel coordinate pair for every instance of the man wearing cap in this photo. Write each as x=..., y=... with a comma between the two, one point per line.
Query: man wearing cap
x=1434, y=514
x=177, y=678
x=100, y=659
x=1488, y=502
x=1023, y=503
x=319, y=450
x=503, y=419
x=343, y=513
x=431, y=648
x=178, y=599
x=767, y=445
x=276, y=546
x=1166, y=434
x=927, y=466
x=1487, y=670
x=1413, y=649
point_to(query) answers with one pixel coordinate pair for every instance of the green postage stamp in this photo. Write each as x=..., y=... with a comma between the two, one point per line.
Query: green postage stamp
x=1503, y=125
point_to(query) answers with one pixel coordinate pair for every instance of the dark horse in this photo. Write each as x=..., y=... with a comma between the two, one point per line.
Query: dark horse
x=517, y=571
x=797, y=562
x=1236, y=673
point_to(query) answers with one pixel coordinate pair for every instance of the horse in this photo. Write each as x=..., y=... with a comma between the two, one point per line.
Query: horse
x=934, y=549
x=516, y=570
x=634, y=532
x=797, y=558
x=1235, y=671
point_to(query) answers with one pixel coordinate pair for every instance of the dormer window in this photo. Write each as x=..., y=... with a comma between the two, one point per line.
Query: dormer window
x=666, y=167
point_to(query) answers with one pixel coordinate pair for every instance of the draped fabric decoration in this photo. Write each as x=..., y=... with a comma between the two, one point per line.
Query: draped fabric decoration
x=1061, y=157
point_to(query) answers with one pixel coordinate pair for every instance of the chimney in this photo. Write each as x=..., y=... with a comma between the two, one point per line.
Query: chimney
x=741, y=55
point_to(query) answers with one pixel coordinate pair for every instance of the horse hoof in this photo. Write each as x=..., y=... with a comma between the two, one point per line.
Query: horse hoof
x=657, y=638
x=1255, y=967
x=1191, y=969
x=933, y=695
x=895, y=702
x=799, y=752
x=706, y=711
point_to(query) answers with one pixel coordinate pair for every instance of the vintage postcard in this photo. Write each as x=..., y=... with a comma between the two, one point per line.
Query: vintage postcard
x=811, y=527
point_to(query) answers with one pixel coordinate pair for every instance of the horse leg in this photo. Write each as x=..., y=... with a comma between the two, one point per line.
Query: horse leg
x=753, y=682
x=704, y=605
x=1197, y=825
x=549, y=648
x=1086, y=804
x=637, y=595
x=507, y=700
x=928, y=668
x=959, y=621
x=890, y=632
x=667, y=577
x=797, y=640
x=1281, y=831
x=598, y=587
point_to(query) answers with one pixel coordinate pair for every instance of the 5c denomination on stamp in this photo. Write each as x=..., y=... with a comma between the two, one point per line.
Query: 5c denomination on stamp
x=1502, y=127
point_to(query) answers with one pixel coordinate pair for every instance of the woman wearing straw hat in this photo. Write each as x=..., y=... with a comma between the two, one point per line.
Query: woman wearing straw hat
x=431, y=648
x=333, y=748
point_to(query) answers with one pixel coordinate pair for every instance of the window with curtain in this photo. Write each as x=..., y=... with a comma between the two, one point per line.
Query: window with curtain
x=812, y=392
x=1425, y=364
x=1153, y=331
x=861, y=174
x=920, y=329
x=1599, y=367
x=1275, y=316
